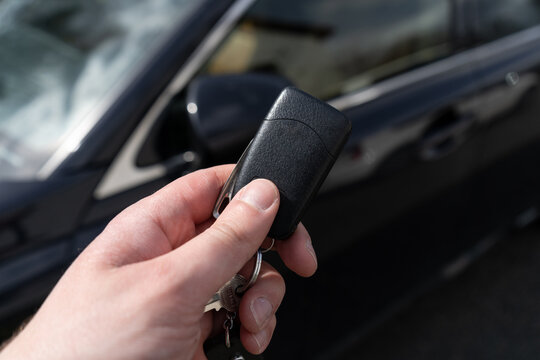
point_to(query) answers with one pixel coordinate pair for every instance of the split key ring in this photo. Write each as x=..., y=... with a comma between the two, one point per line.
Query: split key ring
x=256, y=269
x=254, y=275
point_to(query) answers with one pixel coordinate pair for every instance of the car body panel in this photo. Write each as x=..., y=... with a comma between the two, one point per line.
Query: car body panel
x=507, y=72
x=384, y=200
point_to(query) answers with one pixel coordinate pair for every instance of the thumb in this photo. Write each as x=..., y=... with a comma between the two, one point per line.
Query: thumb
x=213, y=257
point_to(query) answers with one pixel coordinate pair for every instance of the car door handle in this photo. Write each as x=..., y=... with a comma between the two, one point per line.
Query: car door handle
x=444, y=137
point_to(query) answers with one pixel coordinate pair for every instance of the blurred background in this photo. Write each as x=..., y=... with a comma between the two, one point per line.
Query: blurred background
x=426, y=227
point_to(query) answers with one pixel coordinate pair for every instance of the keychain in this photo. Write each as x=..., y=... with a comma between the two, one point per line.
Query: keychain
x=295, y=148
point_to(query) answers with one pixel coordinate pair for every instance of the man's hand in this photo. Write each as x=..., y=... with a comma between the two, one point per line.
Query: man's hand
x=139, y=290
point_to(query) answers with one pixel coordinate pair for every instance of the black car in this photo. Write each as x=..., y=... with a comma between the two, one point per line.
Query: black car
x=103, y=102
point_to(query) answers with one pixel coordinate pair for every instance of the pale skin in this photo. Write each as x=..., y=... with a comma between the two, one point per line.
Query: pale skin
x=139, y=290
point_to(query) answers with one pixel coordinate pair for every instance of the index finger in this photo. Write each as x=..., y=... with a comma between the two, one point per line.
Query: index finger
x=187, y=201
x=163, y=221
x=297, y=252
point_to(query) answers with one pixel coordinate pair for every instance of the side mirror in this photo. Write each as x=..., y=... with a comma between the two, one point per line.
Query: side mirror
x=225, y=111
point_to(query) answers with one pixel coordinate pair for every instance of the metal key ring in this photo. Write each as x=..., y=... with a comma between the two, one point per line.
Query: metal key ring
x=270, y=248
x=254, y=275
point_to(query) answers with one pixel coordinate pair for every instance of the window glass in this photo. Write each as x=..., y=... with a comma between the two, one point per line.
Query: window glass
x=332, y=47
x=498, y=18
x=61, y=59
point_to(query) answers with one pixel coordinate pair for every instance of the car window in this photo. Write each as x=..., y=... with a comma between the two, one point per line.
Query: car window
x=61, y=59
x=498, y=18
x=332, y=47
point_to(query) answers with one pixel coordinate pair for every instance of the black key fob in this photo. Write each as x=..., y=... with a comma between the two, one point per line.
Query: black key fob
x=295, y=148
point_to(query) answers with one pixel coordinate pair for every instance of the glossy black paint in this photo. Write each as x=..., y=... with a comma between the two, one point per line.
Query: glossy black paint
x=441, y=158
x=229, y=109
x=509, y=82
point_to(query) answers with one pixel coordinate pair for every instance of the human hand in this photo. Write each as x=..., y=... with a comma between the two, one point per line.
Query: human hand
x=139, y=290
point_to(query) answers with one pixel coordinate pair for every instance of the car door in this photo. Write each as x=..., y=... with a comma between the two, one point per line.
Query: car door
x=394, y=209
x=507, y=70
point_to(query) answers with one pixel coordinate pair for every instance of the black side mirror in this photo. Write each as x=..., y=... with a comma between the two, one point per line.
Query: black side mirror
x=225, y=111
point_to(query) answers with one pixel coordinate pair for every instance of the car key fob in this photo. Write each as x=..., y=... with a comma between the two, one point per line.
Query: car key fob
x=295, y=148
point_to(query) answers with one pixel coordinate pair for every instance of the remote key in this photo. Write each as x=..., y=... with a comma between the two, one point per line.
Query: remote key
x=295, y=148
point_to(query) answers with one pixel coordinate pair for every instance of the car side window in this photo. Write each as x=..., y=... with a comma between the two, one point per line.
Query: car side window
x=333, y=47
x=498, y=18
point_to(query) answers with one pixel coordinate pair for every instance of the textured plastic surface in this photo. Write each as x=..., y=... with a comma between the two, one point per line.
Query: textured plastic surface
x=295, y=148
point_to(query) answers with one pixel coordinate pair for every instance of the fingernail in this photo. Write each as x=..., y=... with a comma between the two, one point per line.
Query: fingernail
x=311, y=250
x=261, y=310
x=260, y=194
x=261, y=338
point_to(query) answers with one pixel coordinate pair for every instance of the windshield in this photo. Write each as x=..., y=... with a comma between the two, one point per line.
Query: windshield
x=59, y=60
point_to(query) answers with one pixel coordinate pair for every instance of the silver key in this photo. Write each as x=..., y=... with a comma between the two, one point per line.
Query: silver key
x=227, y=297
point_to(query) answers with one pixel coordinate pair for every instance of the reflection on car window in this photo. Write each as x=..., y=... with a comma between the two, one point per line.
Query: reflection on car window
x=60, y=59
x=498, y=18
x=332, y=47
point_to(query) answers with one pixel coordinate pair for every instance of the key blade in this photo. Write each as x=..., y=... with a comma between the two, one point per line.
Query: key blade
x=214, y=303
x=227, y=297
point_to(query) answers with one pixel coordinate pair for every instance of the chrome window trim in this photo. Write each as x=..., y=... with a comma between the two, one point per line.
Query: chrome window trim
x=123, y=173
x=466, y=58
